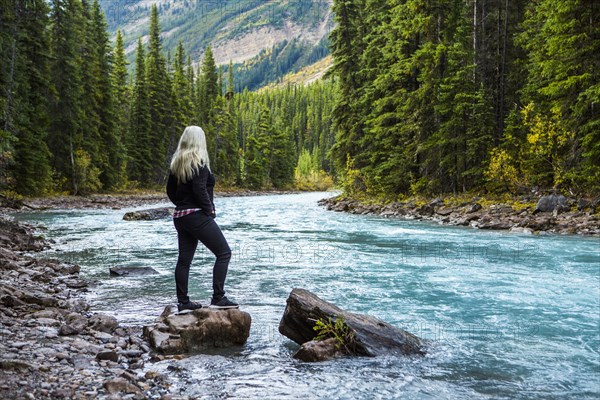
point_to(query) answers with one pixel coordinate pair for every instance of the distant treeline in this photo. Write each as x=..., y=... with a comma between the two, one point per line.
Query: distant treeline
x=454, y=95
x=73, y=120
x=272, y=64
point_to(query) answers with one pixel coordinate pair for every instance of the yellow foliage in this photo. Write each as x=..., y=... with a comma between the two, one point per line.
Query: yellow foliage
x=352, y=183
x=86, y=177
x=548, y=139
x=501, y=173
x=313, y=181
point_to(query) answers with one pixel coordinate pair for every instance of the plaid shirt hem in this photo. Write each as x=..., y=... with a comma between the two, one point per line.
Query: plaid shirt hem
x=183, y=213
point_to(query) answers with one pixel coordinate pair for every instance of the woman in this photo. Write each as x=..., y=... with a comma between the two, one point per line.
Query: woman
x=190, y=188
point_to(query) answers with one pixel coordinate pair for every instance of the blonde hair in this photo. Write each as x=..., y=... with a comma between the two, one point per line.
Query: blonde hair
x=191, y=154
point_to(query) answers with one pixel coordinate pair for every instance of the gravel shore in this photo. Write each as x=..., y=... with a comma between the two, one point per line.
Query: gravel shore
x=52, y=344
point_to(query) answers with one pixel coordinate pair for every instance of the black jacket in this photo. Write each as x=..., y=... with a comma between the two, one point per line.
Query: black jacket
x=196, y=193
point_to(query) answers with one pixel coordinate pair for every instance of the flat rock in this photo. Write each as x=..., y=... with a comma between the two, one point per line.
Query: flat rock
x=198, y=330
x=149, y=215
x=134, y=271
x=372, y=336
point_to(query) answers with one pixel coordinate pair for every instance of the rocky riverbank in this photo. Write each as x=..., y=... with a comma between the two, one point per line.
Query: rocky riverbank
x=566, y=217
x=114, y=201
x=52, y=345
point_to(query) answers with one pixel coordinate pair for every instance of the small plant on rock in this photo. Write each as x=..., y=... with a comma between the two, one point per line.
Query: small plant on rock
x=338, y=330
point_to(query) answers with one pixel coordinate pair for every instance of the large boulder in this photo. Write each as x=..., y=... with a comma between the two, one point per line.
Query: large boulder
x=552, y=202
x=197, y=330
x=370, y=336
x=149, y=215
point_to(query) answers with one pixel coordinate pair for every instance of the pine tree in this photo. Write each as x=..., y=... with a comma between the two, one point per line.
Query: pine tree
x=230, y=80
x=181, y=90
x=210, y=86
x=8, y=44
x=162, y=133
x=90, y=72
x=191, y=85
x=225, y=161
x=66, y=109
x=282, y=157
x=257, y=161
x=31, y=171
x=346, y=48
x=122, y=102
x=111, y=159
x=138, y=141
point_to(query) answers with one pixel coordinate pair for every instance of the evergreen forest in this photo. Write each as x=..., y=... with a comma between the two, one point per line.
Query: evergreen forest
x=424, y=97
x=452, y=96
x=75, y=120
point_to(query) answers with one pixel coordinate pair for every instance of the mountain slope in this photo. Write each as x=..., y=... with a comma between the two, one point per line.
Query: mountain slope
x=238, y=30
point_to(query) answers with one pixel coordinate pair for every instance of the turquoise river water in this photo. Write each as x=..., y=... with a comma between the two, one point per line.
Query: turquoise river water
x=505, y=316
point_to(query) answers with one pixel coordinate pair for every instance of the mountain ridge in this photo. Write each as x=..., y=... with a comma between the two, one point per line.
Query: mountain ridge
x=237, y=30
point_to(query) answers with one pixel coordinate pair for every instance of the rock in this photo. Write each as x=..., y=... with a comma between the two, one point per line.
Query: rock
x=318, y=350
x=77, y=305
x=103, y=337
x=436, y=202
x=583, y=204
x=121, y=271
x=11, y=301
x=67, y=330
x=372, y=336
x=134, y=353
x=552, y=202
x=14, y=364
x=426, y=209
x=149, y=215
x=47, y=313
x=444, y=211
x=474, y=208
x=75, y=283
x=67, y=269
x=77, y=321
x=501, y=209
x=495, y=224
x=539, y=223
x=108, y=355
x=120, y=385
x=198, y=330
x=41, y=299
x=103, y=323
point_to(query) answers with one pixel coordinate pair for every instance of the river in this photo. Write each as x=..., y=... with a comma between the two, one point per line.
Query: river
x=504, y=315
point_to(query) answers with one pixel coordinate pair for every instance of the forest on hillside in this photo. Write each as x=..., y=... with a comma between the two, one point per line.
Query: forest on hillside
x=453, y=95
x=425, y=97
x=73, y=120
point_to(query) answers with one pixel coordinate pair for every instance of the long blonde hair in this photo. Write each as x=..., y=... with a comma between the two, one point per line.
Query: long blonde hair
x=190, y=154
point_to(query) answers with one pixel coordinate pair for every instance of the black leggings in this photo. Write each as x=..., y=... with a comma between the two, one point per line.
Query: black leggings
x=191, y=229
